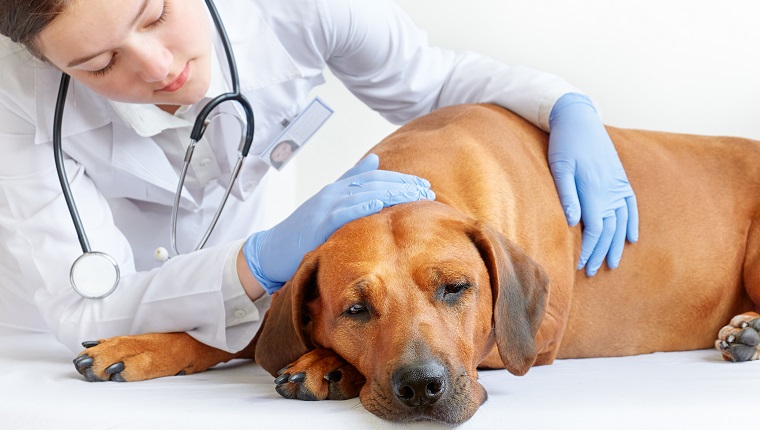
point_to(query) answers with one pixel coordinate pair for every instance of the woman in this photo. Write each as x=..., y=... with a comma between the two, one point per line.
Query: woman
x=142, y=69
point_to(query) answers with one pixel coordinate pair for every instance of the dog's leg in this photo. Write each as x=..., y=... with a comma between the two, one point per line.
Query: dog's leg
x=320, y=374
x=739, y=340
x=147, y=356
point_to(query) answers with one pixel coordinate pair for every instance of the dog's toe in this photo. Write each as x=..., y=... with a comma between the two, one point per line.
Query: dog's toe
x=748, y=336
x=294, y=389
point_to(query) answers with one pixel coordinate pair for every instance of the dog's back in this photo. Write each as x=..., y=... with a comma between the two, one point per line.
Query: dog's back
x=694, y=267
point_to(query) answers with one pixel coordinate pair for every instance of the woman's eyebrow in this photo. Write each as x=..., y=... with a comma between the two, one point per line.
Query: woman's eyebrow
x=87, y=58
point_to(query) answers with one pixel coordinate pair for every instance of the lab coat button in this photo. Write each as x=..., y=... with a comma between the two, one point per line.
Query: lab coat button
x=205, y=162
x=248, y=186
x=240, y=313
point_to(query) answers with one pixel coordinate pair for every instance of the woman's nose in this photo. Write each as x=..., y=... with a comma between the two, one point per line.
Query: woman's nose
x=153, y=62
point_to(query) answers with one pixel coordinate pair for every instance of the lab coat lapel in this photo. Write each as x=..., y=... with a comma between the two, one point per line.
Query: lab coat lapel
x=128, y=166
x=142, y=159
x=84, y=109
x=262, y=60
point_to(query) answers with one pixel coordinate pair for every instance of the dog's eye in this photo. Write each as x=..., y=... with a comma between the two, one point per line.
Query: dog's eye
x=452, y=291
x=356, y=309
x=358, y=313
x=454, y=288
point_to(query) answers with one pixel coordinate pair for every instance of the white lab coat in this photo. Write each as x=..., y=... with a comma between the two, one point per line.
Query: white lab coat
x=124, y=183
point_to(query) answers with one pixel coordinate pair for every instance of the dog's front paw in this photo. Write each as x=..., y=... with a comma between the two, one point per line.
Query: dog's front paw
x=320, y=374
x=141, y=357
x=740, y=340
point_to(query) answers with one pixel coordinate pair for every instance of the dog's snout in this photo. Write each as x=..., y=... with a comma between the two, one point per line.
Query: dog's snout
x=419, y=384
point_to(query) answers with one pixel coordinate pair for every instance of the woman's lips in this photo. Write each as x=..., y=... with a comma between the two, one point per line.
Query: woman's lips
x=179, y=82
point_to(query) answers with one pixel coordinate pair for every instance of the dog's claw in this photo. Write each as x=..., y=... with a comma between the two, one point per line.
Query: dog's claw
x=83, y=362
x=334, y=376
x=284, y=369
x=115, y=368
x=298, y=377
x=90, y=343
x=116, y=377
x=283, y=378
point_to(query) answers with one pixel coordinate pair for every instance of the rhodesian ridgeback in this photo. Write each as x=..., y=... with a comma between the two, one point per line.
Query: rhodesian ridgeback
x=401, y=308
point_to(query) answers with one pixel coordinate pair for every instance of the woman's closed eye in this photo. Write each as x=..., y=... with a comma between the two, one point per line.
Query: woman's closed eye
x=106, y=69
x=161, y=18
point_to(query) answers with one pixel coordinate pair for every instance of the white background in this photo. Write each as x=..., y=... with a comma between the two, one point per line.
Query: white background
x=690, y=66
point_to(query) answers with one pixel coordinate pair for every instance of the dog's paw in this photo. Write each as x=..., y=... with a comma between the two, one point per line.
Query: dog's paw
x=740, y=340
x=132, y=358
x=320, y=374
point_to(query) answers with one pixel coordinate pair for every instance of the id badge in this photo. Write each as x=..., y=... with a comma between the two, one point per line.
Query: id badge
x=296, y=134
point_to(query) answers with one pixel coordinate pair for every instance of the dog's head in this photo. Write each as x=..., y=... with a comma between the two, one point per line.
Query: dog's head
x=413, y=297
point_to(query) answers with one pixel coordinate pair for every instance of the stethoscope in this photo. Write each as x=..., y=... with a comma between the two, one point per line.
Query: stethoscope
x=95, y=274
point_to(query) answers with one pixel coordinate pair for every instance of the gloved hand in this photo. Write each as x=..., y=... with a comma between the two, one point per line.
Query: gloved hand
x=591, y=182
x=274, y=255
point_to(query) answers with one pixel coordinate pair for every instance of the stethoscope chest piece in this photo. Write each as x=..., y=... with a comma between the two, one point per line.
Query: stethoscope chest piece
x=94, y=275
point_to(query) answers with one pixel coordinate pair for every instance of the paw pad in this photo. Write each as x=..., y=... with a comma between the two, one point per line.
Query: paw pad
x=740, y=341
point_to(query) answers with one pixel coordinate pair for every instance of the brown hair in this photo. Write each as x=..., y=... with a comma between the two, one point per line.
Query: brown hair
x=23, y=20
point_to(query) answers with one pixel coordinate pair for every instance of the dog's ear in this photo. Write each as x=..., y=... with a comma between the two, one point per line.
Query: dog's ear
x=519, y=287
x=285, y=333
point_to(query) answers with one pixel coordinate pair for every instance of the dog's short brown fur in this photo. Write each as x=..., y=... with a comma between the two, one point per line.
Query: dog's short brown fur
x=402, y=307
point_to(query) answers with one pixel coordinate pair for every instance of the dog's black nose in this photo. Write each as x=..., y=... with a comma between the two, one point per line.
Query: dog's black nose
x=419, y=384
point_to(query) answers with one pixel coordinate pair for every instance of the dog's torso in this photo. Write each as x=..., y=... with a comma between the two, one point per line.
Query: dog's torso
x=698, y=206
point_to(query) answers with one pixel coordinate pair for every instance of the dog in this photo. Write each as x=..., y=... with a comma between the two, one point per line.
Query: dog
x=403, y=307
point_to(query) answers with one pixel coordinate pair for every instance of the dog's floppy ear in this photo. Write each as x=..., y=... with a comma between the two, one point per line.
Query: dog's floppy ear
x=519, y=286
x=285, y=333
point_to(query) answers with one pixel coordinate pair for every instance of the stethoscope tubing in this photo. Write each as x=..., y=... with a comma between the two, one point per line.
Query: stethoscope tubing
x=59, y=167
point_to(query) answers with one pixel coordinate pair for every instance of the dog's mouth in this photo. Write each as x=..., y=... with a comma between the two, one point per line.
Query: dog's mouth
x=450, y=402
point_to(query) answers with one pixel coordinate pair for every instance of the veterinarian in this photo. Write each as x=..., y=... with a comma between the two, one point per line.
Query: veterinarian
x=141, y=72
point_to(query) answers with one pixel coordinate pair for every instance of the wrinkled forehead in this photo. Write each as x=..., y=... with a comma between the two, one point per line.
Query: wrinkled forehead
x=399, y=241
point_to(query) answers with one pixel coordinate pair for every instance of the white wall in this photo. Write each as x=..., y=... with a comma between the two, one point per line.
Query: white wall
x=689, y=66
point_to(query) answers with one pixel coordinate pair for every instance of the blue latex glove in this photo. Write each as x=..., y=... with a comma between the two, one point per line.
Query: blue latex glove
x=591, y=182
x=274, y=255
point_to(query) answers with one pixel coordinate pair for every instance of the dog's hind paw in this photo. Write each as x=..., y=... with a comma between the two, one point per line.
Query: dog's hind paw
x=740, y=340
x=320, y=374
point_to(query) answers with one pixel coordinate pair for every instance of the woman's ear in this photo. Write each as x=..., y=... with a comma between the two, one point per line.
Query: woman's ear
x=519, y=287
x=285, y=333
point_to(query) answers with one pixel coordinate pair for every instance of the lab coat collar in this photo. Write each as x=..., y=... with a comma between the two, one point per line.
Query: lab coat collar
x=149, y=120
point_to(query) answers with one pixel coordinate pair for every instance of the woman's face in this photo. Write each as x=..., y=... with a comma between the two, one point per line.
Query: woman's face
x=138, y=51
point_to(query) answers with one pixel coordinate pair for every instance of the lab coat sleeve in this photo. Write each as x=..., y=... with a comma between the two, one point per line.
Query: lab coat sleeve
x=375, y=49
x=197, y=293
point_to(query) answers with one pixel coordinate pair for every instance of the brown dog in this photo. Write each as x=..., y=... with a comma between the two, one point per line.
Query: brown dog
x=402, y=307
